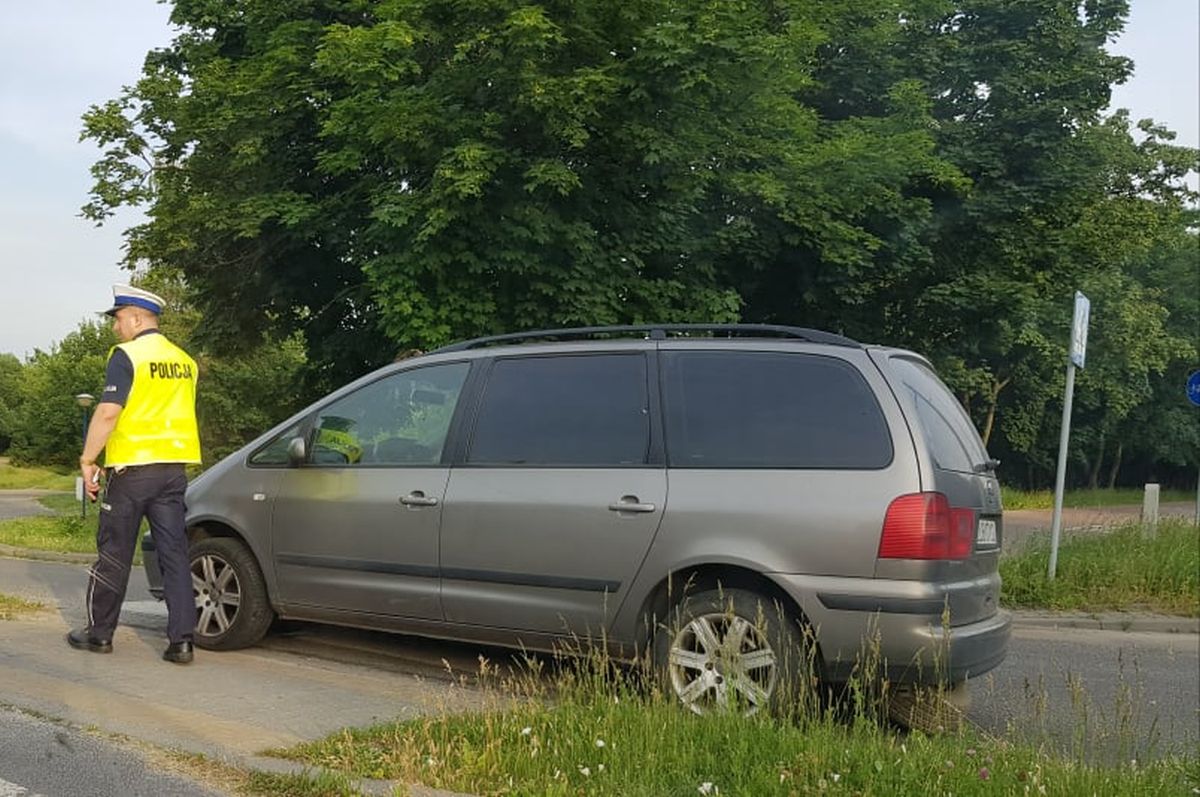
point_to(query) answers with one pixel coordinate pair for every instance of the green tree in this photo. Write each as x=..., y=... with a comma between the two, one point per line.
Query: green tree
x=1161, y=436
x=10, y=398
x=429, y=170
x=49, y=424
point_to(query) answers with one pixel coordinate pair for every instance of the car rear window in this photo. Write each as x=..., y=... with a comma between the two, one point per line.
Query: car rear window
x=588, y=410
x=951, y=435
x=736, y=409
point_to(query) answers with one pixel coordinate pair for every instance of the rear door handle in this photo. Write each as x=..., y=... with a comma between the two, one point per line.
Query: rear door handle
x=630, y=503
x=418, y=498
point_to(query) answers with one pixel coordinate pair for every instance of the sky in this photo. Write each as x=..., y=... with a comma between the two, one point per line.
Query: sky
x=57, y=57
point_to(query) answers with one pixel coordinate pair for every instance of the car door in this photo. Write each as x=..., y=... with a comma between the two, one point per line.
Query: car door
x=356, y=527
x=559, y=497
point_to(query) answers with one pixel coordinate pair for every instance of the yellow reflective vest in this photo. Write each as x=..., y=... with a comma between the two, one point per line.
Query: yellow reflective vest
x=158, y=422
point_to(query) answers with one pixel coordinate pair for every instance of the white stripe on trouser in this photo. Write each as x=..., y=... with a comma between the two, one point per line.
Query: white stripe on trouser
x=93, y=577
x=90, y=592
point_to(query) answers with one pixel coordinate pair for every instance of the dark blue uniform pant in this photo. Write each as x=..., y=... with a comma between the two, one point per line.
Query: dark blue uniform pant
x=156, y=493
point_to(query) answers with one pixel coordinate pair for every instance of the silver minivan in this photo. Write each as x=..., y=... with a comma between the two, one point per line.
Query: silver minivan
x=656, y=487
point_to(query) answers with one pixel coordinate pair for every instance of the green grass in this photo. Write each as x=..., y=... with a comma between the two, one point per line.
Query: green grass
x=1122, y=496
x=1104, y=571
x=65, y=504
x=14, y=478
x=11, y=606
x=604, y=736
x=267, y=784
x=63, y=532
x=66, y=533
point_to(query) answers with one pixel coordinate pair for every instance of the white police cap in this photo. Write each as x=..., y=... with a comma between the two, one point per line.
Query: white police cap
x=129, y=296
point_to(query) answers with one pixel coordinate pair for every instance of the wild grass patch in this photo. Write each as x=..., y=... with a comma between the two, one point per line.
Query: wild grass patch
x=34, y=478
x=12, y=607
x=601, y=733
x=58, y=533
x=1083, y=499
x=1122, y=569
x=63, y=532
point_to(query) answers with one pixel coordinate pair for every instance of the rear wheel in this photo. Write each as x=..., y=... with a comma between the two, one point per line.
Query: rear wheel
x=232, y=610
x=732, y=650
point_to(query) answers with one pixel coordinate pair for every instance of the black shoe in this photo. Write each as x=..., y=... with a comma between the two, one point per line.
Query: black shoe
x=179, y=652
x=80, y=639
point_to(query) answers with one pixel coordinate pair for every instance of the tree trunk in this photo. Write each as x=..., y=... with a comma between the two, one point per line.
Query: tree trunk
x=1116, y=466
x=993, y=400
x=1094, y=470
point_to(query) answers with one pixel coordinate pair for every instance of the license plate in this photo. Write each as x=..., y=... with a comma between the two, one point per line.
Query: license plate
x=986, y=534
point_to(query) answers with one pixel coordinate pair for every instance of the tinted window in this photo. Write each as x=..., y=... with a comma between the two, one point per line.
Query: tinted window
x=399, y=420
x=581, y=410
x=276, y=451
x=952, y=438
x=732, y=409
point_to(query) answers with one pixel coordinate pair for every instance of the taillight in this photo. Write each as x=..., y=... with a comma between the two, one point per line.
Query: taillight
x=925, y=526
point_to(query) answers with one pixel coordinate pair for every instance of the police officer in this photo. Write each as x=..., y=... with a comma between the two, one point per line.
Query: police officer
x=146, y=425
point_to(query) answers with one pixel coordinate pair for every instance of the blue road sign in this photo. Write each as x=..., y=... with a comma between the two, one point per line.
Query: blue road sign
x=1193, y=388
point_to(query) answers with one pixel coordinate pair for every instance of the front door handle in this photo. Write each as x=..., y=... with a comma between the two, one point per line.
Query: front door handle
x=418, y=498
x=630, y=503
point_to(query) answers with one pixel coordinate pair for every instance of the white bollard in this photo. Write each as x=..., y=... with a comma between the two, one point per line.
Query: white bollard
x=1150, y=510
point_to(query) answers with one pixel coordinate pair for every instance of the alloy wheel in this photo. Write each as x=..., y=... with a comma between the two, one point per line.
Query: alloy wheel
x=722, y=662
x=218, y=594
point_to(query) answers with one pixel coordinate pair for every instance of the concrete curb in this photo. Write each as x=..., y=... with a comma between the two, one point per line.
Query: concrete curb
x=1133, y=622
x=371, y=788
x=17, y=552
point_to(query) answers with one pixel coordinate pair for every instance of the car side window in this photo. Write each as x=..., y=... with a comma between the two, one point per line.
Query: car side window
x=579, y=410
x=275, y=453
x=737, y=409
x=952, y=438
x=401, y=419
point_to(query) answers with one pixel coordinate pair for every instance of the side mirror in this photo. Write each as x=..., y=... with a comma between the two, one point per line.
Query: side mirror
x=296, y=452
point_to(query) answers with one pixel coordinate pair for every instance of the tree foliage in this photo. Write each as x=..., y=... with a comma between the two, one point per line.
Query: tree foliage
x=49, y=425
x=366, y=177
x=10, y=398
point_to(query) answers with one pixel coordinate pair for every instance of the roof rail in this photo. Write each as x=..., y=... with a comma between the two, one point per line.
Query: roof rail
x=659, y=332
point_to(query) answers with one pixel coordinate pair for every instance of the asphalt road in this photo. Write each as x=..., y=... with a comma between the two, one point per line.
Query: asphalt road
x=19, y=503
x=1105, y=695
x=44, y=759
x=228, y=706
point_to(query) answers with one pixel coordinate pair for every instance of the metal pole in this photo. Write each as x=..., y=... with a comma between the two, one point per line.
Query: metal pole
x=1198, y=497
x=1061, y=477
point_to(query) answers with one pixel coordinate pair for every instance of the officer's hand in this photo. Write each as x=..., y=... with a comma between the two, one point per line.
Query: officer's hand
x=91, y=479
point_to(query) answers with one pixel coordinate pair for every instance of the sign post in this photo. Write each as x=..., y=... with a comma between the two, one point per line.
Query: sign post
x=1079, y=330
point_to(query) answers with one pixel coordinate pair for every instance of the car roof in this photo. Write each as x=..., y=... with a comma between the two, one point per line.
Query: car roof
x=656, y=332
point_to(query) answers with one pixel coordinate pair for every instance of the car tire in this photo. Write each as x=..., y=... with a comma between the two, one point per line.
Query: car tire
x=733, y=650
x=232, y=609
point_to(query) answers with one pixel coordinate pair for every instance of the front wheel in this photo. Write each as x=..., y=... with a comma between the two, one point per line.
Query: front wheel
x=732, y=650
x=232, y=609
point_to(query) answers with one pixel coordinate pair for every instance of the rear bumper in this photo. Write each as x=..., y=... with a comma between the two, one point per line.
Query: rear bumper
x=897, y=629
